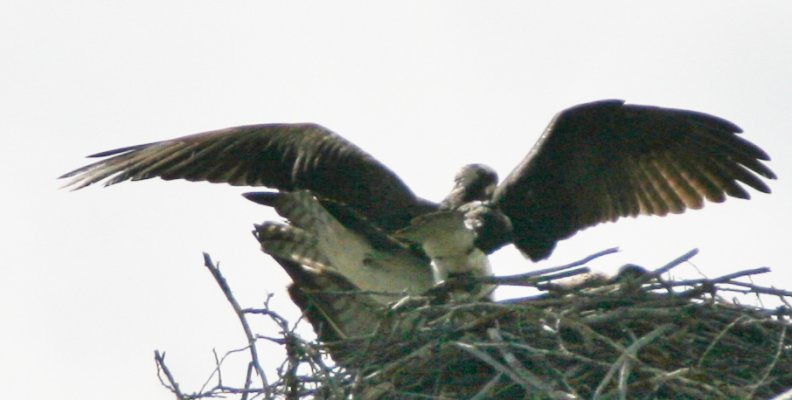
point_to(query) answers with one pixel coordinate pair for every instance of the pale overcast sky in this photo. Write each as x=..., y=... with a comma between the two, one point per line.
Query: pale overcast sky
x=95, y=280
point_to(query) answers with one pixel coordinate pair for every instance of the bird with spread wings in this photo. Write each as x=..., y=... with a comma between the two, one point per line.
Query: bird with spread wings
x=347, y=212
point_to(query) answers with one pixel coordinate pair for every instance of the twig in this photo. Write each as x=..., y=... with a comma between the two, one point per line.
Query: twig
x=525, y=381
x=561, y=275
x=707, y=284
x=759, y=289
x=739, y=274
x=624, y=375
x=486, y=390
x=217, y=371
x=518, y=368
x=718, y=338
x=218, y=363
x=248, y=380
x=776, y=357
x=516, y=280
x=423, y=351
x=221, y=281
x=172, y=385
x=629, y=353
x=675, y=262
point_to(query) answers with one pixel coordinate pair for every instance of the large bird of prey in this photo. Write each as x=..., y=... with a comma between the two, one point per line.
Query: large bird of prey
x=595, y=162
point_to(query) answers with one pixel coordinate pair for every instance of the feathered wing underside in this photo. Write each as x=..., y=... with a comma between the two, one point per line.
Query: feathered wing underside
x=316, y=239
x=600, y=161
x=280, y=156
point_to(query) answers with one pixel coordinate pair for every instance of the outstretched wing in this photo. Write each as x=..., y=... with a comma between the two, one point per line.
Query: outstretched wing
x=281, y=156
x=600, y=161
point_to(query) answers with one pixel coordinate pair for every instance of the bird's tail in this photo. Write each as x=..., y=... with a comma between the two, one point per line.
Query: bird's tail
x=300, y=207
x=290, y=243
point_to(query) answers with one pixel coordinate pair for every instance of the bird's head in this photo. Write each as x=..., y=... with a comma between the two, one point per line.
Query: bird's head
x=474, y=182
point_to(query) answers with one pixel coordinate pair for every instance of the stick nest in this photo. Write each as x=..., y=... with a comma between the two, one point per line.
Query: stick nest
x=635, y=336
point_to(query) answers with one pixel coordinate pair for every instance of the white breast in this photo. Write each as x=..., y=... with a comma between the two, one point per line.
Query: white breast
x=450, y=243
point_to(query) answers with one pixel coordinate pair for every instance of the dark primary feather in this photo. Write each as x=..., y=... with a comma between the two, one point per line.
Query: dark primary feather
x=600, y=161
x=280, y=156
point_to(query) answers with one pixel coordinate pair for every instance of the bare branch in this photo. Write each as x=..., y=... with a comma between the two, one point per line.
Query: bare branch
x=172, y=385
x=521, y=279
x=221, y=281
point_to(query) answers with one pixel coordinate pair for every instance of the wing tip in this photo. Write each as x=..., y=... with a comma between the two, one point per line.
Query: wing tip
x=119, y=150
x=75, y=181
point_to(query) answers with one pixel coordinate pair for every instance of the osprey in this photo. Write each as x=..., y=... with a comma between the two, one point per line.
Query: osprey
x=595, y=162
